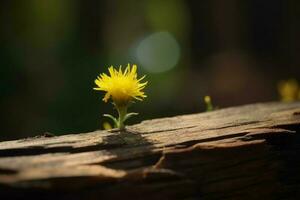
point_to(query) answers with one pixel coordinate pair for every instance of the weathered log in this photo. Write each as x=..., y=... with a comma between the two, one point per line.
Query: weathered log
x=246, y=152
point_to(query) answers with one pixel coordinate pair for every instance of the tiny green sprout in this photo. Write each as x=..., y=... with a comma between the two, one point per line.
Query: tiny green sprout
x=208, y=103
x=123, y=88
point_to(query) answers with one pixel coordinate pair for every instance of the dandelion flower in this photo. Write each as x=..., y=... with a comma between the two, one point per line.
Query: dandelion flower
x=122, y=87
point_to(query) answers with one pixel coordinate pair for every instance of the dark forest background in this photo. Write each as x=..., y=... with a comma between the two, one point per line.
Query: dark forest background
x=51, y=51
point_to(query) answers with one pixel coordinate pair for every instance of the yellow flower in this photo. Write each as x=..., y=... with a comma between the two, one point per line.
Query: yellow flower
x=123, y=87
x=288, y=90
x=209, y=105
x=207, y=99
x=106, y=126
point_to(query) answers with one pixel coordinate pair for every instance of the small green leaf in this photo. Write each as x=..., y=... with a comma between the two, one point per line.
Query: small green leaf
x=113, y=118
x=129, y=115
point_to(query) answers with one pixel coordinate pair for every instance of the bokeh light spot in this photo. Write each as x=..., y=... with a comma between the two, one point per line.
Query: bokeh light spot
x=158, y=52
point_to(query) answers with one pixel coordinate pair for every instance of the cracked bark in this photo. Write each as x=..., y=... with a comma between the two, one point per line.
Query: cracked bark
x=245, y=152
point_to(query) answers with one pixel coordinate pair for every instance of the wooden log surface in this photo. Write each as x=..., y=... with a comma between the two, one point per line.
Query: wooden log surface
x=245, y=152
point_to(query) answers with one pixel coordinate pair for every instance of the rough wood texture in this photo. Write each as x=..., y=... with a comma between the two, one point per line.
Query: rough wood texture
x=246, y=152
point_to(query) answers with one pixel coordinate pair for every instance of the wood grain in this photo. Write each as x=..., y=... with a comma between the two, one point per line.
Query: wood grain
x=245, y=152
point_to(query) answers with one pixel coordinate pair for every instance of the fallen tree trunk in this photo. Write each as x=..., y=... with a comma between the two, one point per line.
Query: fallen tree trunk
x=246, y=152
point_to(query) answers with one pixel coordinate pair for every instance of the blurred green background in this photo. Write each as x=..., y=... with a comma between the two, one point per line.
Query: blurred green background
x=51, y=51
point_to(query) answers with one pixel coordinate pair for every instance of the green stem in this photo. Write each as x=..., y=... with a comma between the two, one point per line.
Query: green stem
x=122, y=114
x=209, y=107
